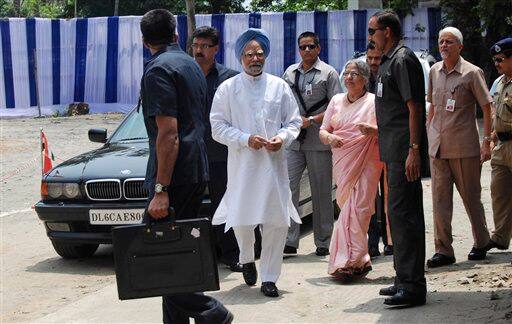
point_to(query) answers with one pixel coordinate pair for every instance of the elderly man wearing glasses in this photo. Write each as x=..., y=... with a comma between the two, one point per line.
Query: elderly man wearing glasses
x=456, y=155
x=314, y=83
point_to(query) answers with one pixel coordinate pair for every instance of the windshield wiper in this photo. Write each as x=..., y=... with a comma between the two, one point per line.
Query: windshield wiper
x=132, y=139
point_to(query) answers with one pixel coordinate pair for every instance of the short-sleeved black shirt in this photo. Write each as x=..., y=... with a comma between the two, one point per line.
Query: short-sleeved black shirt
x=174, y=85
x=402, y=79
x=218, y=73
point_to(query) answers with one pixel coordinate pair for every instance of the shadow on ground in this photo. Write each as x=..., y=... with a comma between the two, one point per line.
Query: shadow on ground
x=459, y=306
x=493, y=258
x=100, y=264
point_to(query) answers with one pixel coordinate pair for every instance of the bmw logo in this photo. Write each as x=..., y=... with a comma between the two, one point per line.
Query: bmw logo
x=126, y=172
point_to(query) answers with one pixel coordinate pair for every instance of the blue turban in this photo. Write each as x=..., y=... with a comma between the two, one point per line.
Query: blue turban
x=250, y=34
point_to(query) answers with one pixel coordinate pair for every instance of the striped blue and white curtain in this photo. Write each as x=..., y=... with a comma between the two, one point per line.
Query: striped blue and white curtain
x=100, y=60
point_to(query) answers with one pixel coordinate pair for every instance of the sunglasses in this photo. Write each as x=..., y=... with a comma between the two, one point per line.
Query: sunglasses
x=202, y=46
x=372, y=31
x=309, y=46
x=498, y=59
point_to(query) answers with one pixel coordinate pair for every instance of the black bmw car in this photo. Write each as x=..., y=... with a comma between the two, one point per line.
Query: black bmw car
x=84, y=197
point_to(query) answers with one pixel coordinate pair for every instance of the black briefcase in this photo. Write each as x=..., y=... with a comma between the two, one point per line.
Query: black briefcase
x=166, y=258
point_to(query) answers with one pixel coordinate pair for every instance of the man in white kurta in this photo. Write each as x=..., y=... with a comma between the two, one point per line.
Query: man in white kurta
x=255, y=115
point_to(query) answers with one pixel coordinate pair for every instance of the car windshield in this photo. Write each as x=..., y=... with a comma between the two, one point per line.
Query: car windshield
x=132, y=128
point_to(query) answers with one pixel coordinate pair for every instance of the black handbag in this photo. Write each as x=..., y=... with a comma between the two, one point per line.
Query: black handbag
x=165, y=258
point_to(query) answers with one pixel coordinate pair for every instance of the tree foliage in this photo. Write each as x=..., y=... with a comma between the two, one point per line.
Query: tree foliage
x=35, y=8
x=483, y=23
x=99, y=8
x=301, y=5
x=401, y=7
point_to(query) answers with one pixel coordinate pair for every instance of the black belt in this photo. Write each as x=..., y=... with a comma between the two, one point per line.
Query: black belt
x=504, y=136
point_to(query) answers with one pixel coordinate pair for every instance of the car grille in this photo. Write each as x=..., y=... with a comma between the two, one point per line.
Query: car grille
x=110, y=189
x=104, y=189
x=133, y=190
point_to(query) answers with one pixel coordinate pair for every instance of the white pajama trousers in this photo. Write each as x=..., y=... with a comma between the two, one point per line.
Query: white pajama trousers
x=273, y=240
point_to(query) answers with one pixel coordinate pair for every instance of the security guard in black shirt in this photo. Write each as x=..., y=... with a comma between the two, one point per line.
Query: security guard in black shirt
x=173, y=92
x=400, y=110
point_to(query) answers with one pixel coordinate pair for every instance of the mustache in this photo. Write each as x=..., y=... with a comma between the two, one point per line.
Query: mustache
x=199, y=55
x=255, y=65
x=371, y=43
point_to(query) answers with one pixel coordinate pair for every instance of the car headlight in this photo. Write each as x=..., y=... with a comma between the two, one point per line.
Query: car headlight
x=57, y=190
x=71, y=190
x=54, y=190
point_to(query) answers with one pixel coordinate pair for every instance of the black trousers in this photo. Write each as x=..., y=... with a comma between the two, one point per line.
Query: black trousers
x=225, y=242
x=178, y=309
x=405, y=206
x=377, y=228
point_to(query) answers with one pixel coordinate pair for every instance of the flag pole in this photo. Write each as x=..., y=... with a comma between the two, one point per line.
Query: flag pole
x=41, y=149
x=36, y=77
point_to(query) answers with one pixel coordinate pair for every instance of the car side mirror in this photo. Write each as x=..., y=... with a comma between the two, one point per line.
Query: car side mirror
x=98, y=135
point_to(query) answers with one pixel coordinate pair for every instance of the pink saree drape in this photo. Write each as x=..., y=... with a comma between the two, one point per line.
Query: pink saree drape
x=356, y=170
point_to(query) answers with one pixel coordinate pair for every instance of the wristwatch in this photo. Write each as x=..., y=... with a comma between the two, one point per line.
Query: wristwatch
x=160, y=188
x=414, y=146
x=312, y=120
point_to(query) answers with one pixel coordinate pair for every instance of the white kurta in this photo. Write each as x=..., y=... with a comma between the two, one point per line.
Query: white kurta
x=258, y=188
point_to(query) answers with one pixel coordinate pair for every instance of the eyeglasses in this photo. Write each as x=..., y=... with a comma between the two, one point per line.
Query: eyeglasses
x=259, y=54
x=372, y=31
x=498, y=59
x=309, y=46
x=202, y=46
x=351, y=74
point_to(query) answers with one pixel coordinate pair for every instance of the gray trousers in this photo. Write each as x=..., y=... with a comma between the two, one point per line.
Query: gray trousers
x=319, y=164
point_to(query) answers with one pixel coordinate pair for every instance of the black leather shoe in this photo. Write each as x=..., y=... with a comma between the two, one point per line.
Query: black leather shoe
x=477, y=254
x=373, y=252
x=388, y=291
x=388, y=249
x=321, y=251
x=236, y=267
x=439, y=260
x=494, y=245
x=289, y=250
x=269, y=289
x=250, y=273
x=229, y=318
x=405, y=299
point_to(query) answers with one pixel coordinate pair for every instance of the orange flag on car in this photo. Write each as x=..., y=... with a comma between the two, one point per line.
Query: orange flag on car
x=45, y=154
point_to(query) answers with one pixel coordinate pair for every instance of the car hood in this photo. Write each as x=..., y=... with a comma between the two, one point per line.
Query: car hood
x=112, y=161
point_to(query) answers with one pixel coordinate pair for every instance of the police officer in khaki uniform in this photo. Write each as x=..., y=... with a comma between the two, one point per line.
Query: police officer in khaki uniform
x=456, y=156
x=501, y=160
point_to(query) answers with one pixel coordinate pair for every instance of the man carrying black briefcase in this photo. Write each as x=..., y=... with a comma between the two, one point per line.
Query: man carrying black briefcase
x=173, y=93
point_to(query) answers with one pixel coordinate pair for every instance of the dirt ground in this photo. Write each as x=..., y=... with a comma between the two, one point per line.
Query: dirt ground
x=36, y=282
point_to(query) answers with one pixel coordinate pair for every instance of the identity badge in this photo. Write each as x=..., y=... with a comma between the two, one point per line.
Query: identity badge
x=309, y=89
x=379, y=89
x=450, y=105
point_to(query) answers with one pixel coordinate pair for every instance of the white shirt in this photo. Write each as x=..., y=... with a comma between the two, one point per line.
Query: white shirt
x=258, y=189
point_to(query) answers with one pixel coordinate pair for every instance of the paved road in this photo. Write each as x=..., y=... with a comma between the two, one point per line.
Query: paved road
x=39, y=286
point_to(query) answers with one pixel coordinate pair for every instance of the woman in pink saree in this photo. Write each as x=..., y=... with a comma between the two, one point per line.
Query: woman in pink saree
x=350, y=128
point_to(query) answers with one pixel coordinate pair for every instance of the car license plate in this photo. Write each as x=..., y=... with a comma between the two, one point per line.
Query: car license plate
x=115, y=216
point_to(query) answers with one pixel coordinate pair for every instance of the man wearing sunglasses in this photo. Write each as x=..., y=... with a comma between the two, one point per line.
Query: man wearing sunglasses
x=501, y=159
x=456, y=155
x=314, y=83
x=205, y=45
x=400, y=106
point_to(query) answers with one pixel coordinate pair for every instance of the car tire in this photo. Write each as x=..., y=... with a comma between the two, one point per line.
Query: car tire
x=74, y=251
